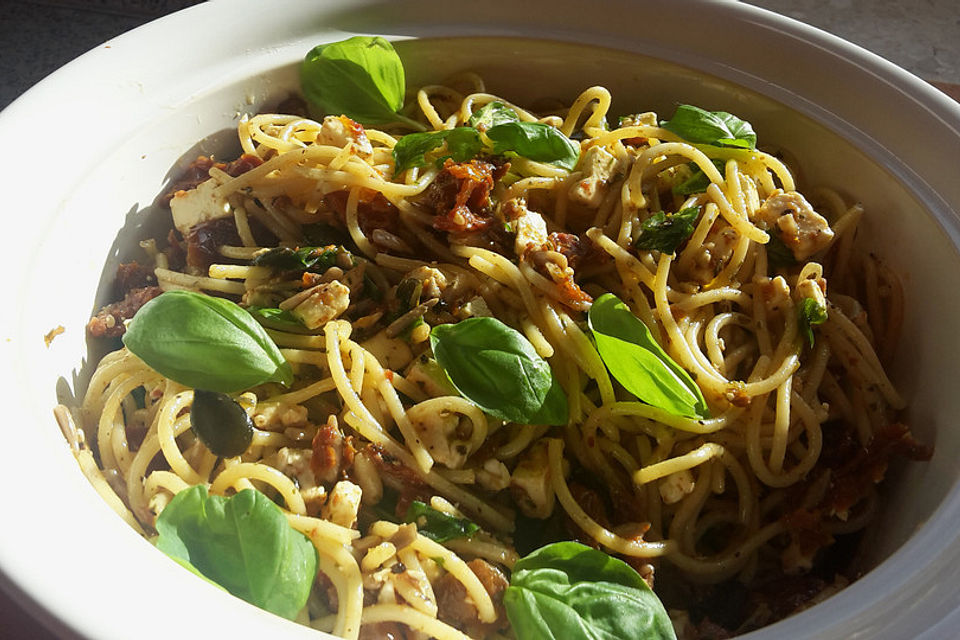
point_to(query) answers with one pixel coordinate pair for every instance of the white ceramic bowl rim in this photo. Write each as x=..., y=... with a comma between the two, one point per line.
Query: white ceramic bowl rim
x=44, y=554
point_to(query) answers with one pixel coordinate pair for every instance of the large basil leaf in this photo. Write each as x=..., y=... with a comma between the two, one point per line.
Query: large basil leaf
x=275, y=318
x=639, y=363
x=720, y=128
x=665, y=232
x=568, y=591
x=554, y=409
x=497, y=368
x=810, y=313
x=491, y=115
x=242, y=543
x=539, y=142
x=361, y=77
x=205, y=343
x=463, y=143
x=437, y=525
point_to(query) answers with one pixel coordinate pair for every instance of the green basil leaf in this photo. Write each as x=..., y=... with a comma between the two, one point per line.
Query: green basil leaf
x=361, y=77
x=665, y=232
x=779, y=254
x=192, y=569
x=314, y=259
x=554, y=409
x=429, y=368
x=720, y=128
x=492, y=114
x=536, y=141
x=205, y=343
x=242, y=543
x=568, y=591
x=463, y=143
x=411, y=149
x=436, y=525
x=497, y=368
x=698, y=181
x=810, y=313
x=276, y=318
x=220, y=423
x=639, y=363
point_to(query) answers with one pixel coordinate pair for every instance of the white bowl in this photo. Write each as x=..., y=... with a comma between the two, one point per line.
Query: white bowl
x=96, y=141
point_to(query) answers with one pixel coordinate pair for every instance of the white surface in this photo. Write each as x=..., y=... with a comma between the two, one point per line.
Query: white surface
x=142, y=104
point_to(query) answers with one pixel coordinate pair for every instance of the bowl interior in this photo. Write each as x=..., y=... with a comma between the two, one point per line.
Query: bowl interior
x=106, y=210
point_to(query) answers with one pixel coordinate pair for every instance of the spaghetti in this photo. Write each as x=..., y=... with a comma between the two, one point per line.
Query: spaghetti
x=802, y=416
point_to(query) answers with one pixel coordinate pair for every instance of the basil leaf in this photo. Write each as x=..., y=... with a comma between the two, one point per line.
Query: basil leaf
x=568, y=591
x=665, y=232
x=778, y=254
x=492, y=114
x=639, y=363
x=810, y=313
x=220, y=423
x=411, y=149
x=539, y=142
x=554, y=409
x=242, y=543
x=276, y=318
x=192, y=569
x=315, y=259
x=361, y=77
x=498, y=369
x=698, y=182
x=427, y=367
x=720, y=128
x=436, y=525
x=205, y=342
x=463, y=143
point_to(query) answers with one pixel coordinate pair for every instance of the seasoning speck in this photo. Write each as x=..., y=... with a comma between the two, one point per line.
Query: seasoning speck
x=53, y=333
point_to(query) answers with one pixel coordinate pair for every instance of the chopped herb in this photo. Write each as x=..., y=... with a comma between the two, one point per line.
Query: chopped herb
x=665, y=232
x=810, y=313
x=438, y=526
x=778, y=254
x=313, y=259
